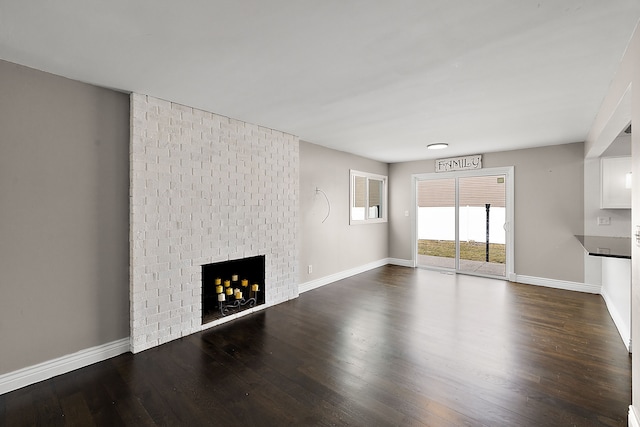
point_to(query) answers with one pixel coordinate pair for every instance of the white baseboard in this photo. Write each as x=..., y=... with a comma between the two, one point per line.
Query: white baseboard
x=43, y=371
x=558, y=284
x=401, y=262
x=634, y=421
x=313, y=284
x=623, y=328
x=528, y=280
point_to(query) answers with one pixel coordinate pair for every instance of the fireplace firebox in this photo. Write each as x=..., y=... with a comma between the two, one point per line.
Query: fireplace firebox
x=233, y=286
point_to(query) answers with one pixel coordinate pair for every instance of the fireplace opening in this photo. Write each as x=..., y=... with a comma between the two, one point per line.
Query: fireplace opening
x=229, y=287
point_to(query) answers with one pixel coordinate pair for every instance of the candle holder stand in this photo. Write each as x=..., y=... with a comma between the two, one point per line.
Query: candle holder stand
x=230, y=307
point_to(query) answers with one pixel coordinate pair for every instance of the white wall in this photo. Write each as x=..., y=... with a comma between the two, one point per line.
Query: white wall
x=204, y=188
x=616, y=291
x=439, y=223
x=621, y=104
x=620, y=219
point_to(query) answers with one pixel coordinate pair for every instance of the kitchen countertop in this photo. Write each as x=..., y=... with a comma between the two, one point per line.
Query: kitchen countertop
x=614, y=247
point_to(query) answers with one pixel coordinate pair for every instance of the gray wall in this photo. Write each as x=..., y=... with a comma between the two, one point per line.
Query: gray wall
x=64, y=251
x=548, y=208
x=334, y=246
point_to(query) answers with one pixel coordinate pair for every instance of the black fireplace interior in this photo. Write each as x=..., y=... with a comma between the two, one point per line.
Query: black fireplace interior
x=249, y=269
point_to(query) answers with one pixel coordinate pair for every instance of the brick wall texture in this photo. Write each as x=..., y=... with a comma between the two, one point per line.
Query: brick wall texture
x=204, y=188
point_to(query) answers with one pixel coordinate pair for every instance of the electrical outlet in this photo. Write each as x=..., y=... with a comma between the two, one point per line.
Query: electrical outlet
x=310, y=269
x=604, y=220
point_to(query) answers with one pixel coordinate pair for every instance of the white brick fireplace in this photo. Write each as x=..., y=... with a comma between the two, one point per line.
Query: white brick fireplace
x=204, y=188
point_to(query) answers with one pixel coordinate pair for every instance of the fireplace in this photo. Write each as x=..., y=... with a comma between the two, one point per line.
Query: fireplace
x=206, y=188
x=230, y=287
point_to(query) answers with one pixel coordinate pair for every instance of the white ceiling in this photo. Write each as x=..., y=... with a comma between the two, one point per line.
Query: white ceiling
x=381, y=79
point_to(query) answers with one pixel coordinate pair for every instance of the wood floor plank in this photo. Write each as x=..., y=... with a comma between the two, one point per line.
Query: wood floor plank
x=20, y=408
x=49, y=412
x=392, y=346
x=75, y=410
x=129, y=407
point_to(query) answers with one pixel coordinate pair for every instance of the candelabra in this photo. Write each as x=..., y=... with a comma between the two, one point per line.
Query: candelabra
x=232, y=299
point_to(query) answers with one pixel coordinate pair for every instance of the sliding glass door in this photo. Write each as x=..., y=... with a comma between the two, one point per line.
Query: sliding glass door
x=482, y=234
x=462, y=222
x=436, y=223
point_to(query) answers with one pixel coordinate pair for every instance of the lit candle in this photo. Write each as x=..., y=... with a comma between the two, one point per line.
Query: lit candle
x=221, y=297
x=234, y=278
x=229, y=291
x=238, y=295
x=227, y=283
x=219, y=289
x=218, y=281
x=255, y=287
x=245, y=282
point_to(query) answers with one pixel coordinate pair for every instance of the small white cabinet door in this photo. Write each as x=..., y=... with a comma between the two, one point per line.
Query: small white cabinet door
x=614, y=191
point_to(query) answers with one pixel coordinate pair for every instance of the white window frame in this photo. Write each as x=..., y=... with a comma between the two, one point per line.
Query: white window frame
x=353, y=174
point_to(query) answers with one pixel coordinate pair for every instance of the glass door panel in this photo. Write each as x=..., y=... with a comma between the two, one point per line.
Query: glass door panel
x=481, y=224
x=436, y=223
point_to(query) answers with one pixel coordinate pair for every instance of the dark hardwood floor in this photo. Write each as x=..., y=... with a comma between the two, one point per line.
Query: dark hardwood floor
x=393, y=346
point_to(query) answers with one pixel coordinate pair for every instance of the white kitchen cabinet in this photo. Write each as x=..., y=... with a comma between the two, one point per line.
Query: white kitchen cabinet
x=615, y=188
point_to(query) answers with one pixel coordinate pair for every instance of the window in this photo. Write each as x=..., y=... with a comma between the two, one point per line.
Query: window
x=368, y=198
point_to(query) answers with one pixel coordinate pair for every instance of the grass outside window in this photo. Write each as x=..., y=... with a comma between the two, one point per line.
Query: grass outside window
x=474, y=251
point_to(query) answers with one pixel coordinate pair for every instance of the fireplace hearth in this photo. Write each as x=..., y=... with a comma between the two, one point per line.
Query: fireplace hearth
x=233, y=286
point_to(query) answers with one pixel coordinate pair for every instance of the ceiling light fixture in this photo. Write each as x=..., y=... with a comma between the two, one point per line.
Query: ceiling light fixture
x=437, y=146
